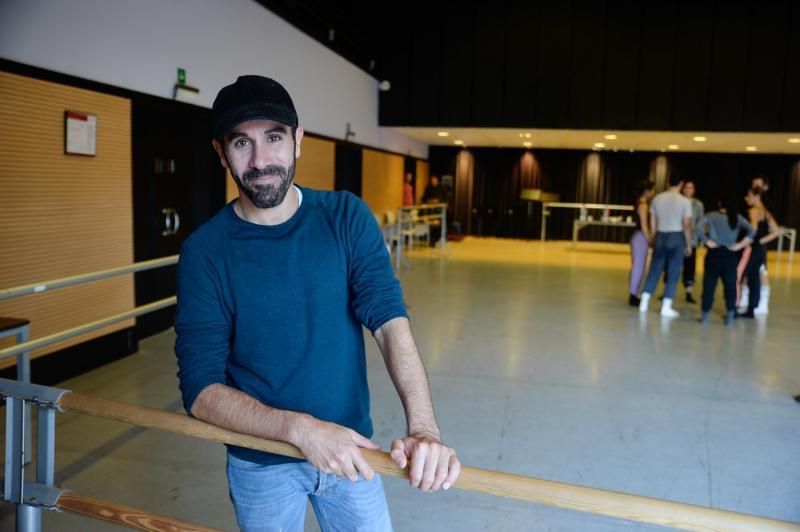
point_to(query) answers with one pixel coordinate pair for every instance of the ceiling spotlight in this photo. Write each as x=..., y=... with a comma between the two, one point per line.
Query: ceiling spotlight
x=527, y=135
x=458, y=142
x=699, y=138
x=527, y=144
x=674, y=147
x=794, y=140
x=599, y=145
x=522, y=135
x=384, y=85
x=750, y=148
x=443, y=133
x=611, y=136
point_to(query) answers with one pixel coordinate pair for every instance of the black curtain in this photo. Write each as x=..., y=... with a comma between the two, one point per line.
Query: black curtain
x=489, y=181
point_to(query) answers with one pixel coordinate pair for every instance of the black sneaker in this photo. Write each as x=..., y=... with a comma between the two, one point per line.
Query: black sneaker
x=690, y=299
x=748, y=314
x=633, y=301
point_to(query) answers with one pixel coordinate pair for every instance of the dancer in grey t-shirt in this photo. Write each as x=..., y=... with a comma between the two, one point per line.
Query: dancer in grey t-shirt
x=671, y=218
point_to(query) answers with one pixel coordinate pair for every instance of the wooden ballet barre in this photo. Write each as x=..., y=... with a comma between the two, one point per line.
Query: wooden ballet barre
x=550, y=493
x=124, y=515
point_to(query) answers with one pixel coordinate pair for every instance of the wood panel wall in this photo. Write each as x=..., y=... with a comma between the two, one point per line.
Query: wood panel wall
x=63, y=215
x=423, y=173
x=382, y=180
x=315, y=167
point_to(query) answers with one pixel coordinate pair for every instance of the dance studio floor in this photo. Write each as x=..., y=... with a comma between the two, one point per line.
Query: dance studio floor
x=537, y=367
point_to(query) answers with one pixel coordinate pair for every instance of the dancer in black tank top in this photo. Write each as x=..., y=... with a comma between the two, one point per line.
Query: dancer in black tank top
x=767, y=230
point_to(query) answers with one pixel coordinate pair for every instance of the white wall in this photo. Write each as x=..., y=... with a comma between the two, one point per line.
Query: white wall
x=139, y=44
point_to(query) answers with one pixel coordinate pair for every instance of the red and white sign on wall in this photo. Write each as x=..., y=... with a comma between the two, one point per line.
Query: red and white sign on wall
x=80, y=133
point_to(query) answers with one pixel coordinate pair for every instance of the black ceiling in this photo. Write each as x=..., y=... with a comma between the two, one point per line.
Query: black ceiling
x=711, y=65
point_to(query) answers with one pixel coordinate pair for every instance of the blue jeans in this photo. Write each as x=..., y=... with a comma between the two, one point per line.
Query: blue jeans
x=667, y=256
x=273, y=498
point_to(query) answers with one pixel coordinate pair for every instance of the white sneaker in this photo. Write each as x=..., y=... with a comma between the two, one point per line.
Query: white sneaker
x=763, y=302
x=666, y=309
x=645, y=302
x=744, y=300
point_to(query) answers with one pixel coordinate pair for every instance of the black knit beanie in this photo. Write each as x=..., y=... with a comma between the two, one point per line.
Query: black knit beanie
x=251, y=98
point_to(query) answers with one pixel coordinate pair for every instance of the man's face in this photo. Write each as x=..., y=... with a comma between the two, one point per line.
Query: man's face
x=688, y=189
x=260, y=155
x=759, y=184
x=434, y=180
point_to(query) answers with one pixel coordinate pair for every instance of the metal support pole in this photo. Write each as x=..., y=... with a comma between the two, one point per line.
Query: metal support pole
x=46, y=446
x=545, y=213
x=443, y=239
x=24, y=375
x=28, y=517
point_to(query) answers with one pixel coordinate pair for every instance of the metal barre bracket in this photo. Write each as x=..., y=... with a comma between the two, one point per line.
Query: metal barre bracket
x=36, y=394
x=41, y=496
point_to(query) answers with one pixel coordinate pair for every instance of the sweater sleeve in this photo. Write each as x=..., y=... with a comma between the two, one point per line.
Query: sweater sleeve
x=744, y=224
x=202, y=325
x=376, y=296
x=700, y=230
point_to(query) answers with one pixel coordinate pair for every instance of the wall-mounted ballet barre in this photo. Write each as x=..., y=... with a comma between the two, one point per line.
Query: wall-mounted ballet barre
x=585, y=499
x=42, y=286
x=23, y=347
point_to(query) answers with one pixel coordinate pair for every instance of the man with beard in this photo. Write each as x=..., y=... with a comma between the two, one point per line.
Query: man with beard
x=272, y=296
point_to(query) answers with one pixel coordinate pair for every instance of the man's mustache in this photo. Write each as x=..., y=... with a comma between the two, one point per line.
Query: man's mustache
x=269, y=170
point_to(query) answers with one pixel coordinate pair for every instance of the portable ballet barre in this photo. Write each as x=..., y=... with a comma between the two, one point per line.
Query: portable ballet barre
x=551, y=493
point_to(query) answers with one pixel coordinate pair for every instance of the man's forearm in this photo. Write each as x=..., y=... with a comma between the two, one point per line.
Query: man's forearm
x=687, y=232
x=407, y=372
x=232, y=409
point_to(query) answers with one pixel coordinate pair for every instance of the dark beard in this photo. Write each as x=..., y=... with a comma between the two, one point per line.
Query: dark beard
x=266, y=196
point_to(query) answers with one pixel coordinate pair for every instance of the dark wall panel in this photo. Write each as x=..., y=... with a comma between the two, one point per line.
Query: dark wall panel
x=622, y=63
x=396, y=64
x=457, y=67
x=728, y=63
x=555, y=51
x=426, y=68
x=489, y=78
x=686, y=65
x=522, y=38
x=588, y=64
x=657, y=66
x=790, y=115
x=765, y=69
x=692, y=61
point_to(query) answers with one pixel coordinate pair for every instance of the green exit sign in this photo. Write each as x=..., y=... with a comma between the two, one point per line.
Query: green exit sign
x=181, y=76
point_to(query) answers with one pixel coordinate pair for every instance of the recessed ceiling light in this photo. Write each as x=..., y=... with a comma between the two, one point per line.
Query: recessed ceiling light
x=674, y=147
x=527, y=144
x=443, y=133
x=611, y=136
x=750, y=148
x=522, y=135
x=794, y=140
x=599, y=145
x=458, y=142
x=528, y=135
x=699, y=138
